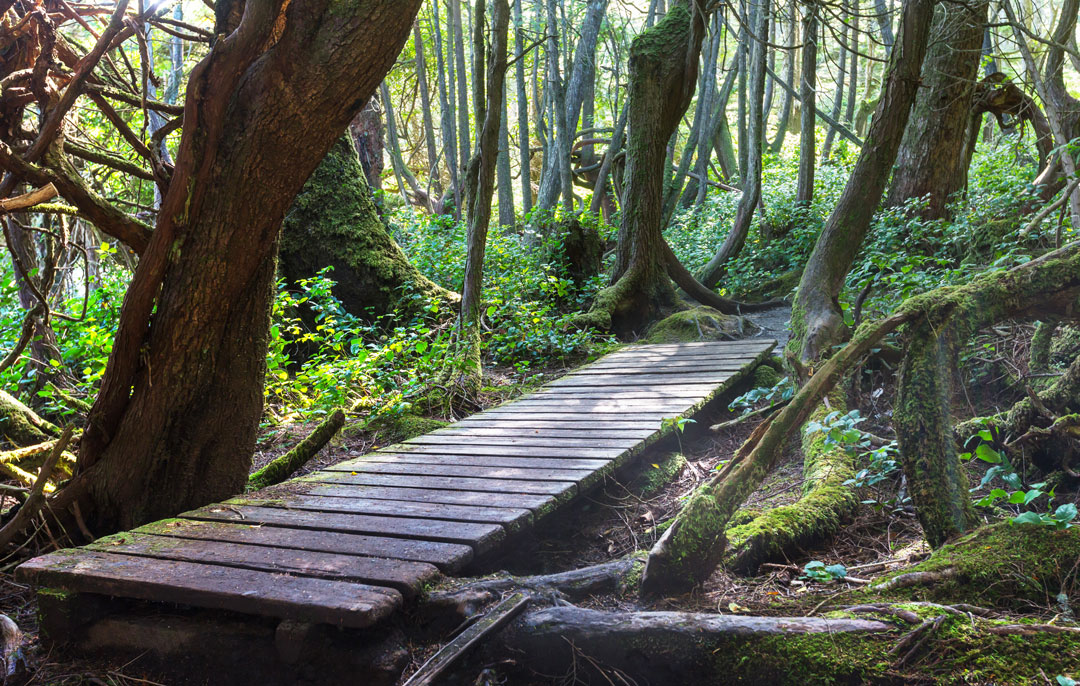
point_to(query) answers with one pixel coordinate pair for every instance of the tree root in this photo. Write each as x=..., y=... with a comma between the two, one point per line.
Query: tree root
x=916, y=579
x=825, y=503
x=287, y=465
x=691, y=548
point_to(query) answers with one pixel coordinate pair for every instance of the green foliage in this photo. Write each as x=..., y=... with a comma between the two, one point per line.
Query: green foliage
x=819, y=571
x=781, y=392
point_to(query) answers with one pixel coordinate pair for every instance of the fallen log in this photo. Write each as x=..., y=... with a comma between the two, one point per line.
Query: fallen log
x=288, y=464
x=662, y=647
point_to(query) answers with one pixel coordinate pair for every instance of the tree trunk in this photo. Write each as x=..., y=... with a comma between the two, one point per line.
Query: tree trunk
x=464, y=145
x=931, y=160
x=808, y=97
x=663, y=73
x=524, y=137
x=751, y=189
x=482, y=166
x=838, y=93
x=333, y=223
x=425, y=105
x=366, y=130
x=816, y=318
x=789, y=79
x=175, y=422
x=445, y=69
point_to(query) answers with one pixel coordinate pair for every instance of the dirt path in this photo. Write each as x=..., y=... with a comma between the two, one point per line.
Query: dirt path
x=773, y=323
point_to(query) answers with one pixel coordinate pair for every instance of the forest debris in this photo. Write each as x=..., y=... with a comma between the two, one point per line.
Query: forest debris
x=34, y=501
x=287, y=465
x=11, y=638
x=916, y=579
x=494, y=620
x=913, y=641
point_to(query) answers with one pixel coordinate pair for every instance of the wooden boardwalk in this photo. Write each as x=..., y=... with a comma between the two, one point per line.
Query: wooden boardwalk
x=350, y=544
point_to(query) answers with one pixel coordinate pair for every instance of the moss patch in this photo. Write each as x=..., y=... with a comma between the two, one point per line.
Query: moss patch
x=1003, y=566
x=698, y=324
x=655, y=475
x=389, y=429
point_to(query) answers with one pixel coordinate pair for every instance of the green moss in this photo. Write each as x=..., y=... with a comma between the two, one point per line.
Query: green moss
x=1001, y=565
x=655, y=475
x=699, y=323
x=333, y=222
x=777, y=287
x=395, y=428
x=765, y=376
x=826, y=501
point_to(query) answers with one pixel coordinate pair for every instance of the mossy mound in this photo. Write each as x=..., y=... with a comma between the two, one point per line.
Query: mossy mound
x=1003, y=565
x=765, y=376
x=655, y=475
x=395, y=428
x=699, y=324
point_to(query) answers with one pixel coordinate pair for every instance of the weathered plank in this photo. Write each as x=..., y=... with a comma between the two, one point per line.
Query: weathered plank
x=467, y=430
x=512, y=519
x=695, y=383
x=567, y=419
x=570, y=425
x=505, y=450
x=542, y=440
x=586, y=393
x=490, y=472
x=482, y=537
x=636, y=368
x=449, y=557
x=407, y=577
x=592, y=406
x=481, y=461
x=302, y=598
x=559, y=489
x=538, y=504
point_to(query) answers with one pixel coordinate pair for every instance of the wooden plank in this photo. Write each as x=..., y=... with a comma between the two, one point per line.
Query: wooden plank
x=248, y=591
x=506, y=450
x=538, y=504
x=635, y=368
x=702, y=384
x=595, y=406
x=490, y=472
x=573, y=393
x=499, y=417
x=407, y=577
x=560, y=489
x=467, y=430
x=697, y=346
x=541, y=440
x=482, y=537
x=449, y=557
x=518, y=423
x=509, y=518
x=483, y=461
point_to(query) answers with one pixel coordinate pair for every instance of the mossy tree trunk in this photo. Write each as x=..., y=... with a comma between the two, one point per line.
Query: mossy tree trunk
x=333, y=222
x=175, y=422
x=930, y=161
x=663, y=73
x=1047, y=287
x=816, y=319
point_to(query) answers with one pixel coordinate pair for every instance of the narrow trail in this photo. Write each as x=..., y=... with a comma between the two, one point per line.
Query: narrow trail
x=773, y=323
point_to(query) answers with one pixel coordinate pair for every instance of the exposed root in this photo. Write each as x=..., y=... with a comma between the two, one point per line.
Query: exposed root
x=916, y=579
x=286, y=465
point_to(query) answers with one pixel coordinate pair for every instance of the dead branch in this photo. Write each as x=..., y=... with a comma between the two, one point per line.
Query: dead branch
x=287, y=465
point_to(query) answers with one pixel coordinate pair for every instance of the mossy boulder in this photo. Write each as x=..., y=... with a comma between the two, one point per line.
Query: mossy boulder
x=699, y=324
x=766, y=376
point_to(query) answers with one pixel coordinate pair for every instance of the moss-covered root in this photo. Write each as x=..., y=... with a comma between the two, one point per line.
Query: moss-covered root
x=691, y=548
x=21, y=425
x=826, y=501
x=1005, y=566
x=287, y=465
x=699, y=323
x=653, y=476
x=1039, y=358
